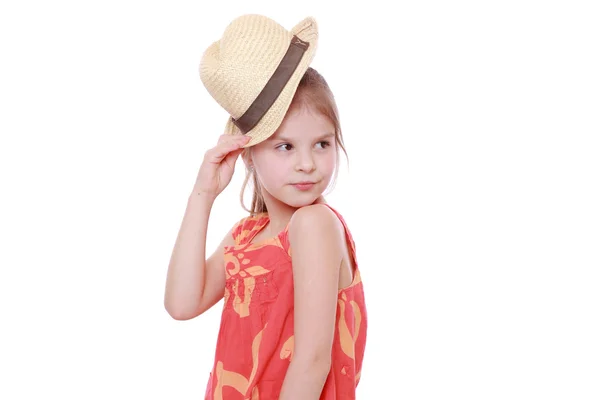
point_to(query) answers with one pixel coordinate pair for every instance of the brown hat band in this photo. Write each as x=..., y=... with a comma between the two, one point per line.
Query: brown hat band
x=274, y=86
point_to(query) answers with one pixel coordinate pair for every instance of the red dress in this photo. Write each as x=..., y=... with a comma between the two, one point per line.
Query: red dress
x=256, y=337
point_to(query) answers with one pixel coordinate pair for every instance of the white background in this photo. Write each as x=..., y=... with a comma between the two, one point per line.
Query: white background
x=472, y=192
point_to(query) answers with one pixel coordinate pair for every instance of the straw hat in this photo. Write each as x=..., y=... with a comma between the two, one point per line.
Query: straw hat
x=254, y=69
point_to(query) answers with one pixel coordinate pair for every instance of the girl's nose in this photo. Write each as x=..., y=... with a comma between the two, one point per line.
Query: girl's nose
x=305, y=162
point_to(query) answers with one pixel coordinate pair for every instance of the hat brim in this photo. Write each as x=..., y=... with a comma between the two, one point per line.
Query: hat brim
x=306, y=30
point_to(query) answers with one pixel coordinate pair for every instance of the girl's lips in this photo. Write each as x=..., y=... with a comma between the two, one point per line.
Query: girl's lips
x=303, y=186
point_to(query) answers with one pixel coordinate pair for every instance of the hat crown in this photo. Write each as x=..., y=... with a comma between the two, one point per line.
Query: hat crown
x=254, y=70
x=236, y=68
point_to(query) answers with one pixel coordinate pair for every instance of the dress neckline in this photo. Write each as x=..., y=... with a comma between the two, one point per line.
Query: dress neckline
x=263, y=219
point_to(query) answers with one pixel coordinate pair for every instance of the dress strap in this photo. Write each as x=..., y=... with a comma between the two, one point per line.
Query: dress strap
x=248, y=227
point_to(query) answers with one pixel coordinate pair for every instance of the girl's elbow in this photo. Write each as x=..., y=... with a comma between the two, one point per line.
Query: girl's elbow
x=177, y=312
x=315, y=362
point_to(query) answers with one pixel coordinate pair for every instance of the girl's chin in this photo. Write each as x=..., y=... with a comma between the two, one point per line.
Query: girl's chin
x=302, y=200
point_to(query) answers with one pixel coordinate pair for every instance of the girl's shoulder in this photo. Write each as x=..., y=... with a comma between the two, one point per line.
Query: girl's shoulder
x=317, y=211
x=335, y=212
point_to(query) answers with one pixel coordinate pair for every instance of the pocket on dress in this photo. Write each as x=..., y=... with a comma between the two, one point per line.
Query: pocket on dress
x=266, y=293
x=266, y=288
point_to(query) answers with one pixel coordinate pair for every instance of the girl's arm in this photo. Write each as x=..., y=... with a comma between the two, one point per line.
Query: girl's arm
x=317, y=240
x=193, y=283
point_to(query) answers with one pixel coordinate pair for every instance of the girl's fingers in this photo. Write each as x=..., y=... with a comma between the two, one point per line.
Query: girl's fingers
x=231, y=138
x=232, y=157
x=226, y=145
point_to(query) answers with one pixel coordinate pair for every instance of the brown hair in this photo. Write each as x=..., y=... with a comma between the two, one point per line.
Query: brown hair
x=312, y=91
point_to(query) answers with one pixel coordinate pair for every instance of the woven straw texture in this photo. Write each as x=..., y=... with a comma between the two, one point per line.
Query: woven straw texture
x=235, y=68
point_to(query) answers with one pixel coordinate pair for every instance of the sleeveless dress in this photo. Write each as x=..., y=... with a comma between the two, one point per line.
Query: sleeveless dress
x=256, y=336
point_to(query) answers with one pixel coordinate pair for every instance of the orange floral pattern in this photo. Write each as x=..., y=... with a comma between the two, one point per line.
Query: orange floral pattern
x=256, y=337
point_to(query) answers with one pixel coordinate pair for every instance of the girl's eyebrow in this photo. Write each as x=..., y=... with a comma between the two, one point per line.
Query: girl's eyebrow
x=285, y=139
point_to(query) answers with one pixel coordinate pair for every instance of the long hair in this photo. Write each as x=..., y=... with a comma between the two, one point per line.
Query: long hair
x=314, y=92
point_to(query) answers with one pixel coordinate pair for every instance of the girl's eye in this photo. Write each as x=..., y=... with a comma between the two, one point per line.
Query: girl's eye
x=287, y=146
x=283, y=145
x=325, y=143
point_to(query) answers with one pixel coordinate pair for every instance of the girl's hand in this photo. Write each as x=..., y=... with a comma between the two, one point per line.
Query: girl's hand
x=219, y=163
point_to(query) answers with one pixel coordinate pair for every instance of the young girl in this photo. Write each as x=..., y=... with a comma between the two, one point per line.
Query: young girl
x=294, y=320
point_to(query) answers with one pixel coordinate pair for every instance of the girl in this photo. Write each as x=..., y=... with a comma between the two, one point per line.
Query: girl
x=293, y=324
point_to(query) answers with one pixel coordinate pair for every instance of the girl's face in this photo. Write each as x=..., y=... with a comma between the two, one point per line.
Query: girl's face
x=303, y=149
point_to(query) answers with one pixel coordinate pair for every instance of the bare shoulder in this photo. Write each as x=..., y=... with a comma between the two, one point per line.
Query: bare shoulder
x=315, y=223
